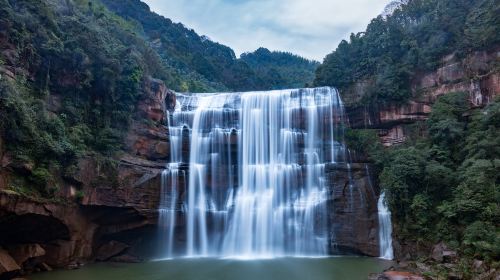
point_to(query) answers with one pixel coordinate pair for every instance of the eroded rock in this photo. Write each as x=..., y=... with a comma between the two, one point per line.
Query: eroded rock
x=441, y=253
x=400, y=275
x=8, y=265
x=352, y=214
x=110, y=249
x=23, y=252
x=474, y=75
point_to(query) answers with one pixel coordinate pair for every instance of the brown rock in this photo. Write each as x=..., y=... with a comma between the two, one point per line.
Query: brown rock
x=437, y=252
x=492, y=274
x=110, y=249
x=22, y=253
x=353, y=217
x=62, y=230
x=126, y=259
x=449, y=256
x=44, y=267
x=474, y=75
x=7, y=263
x=400, y=275
x=119, y=198
x=441, y=253
x=162, y=149
x=152, y=104
x=422, y=267
x=394, y=275
x=451, y=73
x=478, y=266
x=150, y=142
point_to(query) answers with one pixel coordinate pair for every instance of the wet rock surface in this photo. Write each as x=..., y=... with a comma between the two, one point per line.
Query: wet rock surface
x=352, y=216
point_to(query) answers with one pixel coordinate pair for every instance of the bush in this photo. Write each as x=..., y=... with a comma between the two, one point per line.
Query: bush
x=482, y=240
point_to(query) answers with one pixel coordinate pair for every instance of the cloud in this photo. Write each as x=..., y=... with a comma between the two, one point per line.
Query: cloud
x=311, y=28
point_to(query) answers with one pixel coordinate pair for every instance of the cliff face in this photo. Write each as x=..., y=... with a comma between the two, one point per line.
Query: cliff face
x=476, y=74
x=352, y=215
x=107, y=209
x=109, y=217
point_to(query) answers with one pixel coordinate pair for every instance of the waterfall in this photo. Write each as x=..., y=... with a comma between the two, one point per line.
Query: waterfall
x=385, y=229
x=256, y=184
x=170, y=185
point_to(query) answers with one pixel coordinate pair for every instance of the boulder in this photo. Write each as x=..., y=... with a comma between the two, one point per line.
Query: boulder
x=44, y=267
x=110, y=249
x=126, y=258
x=155, y=100
x=479, y=266
x=7, y=264
x=441, y=253
x=489, y=275
x=400, y=275
x=23, y=252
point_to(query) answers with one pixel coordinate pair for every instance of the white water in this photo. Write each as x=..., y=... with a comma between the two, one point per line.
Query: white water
x=385, y=229
x=170, y=185
x=256, y=186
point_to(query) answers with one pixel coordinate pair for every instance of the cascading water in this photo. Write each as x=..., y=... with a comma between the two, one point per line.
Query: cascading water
x=385, y=229
x=256, y=184
x=170, y=184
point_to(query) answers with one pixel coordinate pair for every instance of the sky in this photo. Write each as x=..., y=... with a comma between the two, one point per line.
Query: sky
x=310, y=28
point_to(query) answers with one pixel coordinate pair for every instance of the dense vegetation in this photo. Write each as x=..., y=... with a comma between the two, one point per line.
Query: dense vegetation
x=280, y=68
x=79, y=69
x=446, y=186
x=79, y=66
x=209, y=65
x=413, y=39
x=443, y=183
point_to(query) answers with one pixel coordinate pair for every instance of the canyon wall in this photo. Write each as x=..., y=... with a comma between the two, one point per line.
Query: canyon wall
x=476, y=74
x=105, y=210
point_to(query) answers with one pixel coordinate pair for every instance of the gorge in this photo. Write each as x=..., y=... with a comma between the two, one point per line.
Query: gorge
x=131, y=147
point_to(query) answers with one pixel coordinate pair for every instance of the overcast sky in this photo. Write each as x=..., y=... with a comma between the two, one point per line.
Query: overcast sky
x=311, y=28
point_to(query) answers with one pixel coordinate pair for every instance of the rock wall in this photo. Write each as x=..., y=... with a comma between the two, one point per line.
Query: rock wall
x=353, y=216
x=476, y=74
x=62, y=232
x=107, y=205
x=107, y=209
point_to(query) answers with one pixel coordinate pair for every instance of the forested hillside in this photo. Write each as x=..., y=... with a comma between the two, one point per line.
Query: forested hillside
x=445, y=187
x=72, y=72
x=412, y=40
x=441, y=177
x=71, y=78
x=209, y=65
x=280, y=68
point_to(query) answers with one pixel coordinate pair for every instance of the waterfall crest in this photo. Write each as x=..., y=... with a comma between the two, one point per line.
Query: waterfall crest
x=256, y=185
